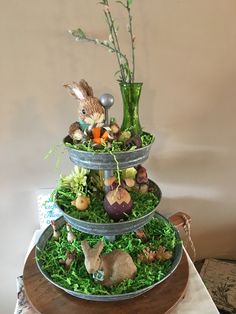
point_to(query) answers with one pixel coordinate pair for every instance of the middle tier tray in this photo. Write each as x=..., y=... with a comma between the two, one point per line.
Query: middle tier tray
x=114, y=228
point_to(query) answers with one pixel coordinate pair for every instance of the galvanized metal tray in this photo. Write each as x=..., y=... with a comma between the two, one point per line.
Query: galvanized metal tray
x=112, y=229
x=46, y=235
x=106, y=161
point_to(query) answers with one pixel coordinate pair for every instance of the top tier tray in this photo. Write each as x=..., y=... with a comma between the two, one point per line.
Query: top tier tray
x=107, y=161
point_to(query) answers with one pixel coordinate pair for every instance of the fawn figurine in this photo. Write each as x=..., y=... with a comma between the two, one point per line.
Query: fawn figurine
x=109, y=269
x=56, y=234
x=70, y=234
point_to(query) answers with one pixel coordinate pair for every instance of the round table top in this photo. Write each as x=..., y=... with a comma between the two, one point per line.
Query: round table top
x=45, y=298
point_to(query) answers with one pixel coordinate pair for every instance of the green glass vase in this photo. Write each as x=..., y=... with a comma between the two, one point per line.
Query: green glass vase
x=130, y=95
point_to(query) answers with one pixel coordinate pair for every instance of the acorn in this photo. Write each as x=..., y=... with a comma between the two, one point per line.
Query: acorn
x=118, y=203
x=115, y=129
x=141, y=176
x=141, y=179
x=133, y=141
x=75, y=132
x=124, y=136
x=143, y=188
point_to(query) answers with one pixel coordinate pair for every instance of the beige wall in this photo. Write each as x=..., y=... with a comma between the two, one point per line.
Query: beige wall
x=186, y=58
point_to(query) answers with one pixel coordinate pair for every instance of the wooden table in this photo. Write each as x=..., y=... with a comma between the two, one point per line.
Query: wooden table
x=47, y=299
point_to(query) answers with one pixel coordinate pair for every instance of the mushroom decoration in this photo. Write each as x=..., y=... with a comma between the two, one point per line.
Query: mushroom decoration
x=126, y=183
x=141, y=179
x=133, y=141
x=115, y=129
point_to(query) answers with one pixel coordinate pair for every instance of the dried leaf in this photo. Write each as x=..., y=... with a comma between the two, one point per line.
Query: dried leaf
x=162, y=254
x=147, y=256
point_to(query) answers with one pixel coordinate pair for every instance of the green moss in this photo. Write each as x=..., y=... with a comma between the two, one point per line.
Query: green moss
x=158, y=231
x=142, y=205
x=115, y=146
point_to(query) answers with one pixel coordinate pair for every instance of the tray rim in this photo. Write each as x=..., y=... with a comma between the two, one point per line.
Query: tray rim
x=107, y=160
x=107, y=153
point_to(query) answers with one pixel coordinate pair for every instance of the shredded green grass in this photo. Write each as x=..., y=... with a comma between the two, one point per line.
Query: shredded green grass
x=158, y=231
x=142, y=205
x=114, y=147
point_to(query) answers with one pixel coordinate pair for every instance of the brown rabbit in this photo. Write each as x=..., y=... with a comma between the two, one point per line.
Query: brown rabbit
x=115, y=266
x=90, y=111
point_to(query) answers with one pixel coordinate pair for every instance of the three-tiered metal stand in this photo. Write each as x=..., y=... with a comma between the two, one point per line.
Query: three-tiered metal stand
x=107, y=163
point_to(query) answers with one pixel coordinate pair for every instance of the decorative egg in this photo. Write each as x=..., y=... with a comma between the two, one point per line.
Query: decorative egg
x=118, y=203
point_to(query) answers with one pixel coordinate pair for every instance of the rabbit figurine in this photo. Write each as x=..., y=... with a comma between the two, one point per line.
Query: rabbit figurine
x=112, y=268
x=90, y=111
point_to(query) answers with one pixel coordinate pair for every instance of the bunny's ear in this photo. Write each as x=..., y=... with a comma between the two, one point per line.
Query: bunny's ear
x=85, y=246
x=99, y=246
x=85, y=86
x=76, y=90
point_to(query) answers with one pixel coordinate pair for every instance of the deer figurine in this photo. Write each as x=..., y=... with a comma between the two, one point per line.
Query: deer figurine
x=109, y=269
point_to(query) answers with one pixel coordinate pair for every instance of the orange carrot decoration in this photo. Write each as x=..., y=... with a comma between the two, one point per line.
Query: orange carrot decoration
x=99, y=135
x=105, y=135
x=96, y=132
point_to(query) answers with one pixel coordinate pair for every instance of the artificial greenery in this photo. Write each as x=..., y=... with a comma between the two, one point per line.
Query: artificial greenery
x=76, y=182
x=159, y=233
x=114, y=147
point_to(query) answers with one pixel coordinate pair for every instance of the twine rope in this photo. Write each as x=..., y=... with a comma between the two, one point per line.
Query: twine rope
x=188, y=240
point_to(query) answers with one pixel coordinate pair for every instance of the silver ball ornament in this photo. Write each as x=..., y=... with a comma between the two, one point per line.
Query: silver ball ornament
x=107, y=100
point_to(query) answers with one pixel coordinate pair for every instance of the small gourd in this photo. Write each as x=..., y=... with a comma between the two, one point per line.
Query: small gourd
x=82, y=202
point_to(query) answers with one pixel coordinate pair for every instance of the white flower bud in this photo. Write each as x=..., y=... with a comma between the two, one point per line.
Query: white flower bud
x=110, y=38
x=106, y=8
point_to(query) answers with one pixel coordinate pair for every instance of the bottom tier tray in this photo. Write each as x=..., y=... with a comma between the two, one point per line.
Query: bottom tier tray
x=45, y=298
x=159, y=232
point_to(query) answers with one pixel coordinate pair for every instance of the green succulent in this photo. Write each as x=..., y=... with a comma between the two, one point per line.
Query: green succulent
x=76, y=181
